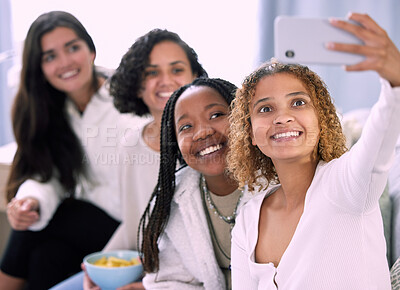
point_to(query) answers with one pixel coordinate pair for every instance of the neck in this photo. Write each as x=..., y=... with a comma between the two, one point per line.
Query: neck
x=151, y=134
x=83, y=96
x=295, y=180
x=221, y=184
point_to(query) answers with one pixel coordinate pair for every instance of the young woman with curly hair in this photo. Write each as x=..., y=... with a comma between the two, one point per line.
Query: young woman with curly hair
x=316, y=223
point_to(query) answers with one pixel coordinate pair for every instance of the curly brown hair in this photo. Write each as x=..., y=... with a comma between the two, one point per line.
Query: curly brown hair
x=246, y=161
x=127, y=81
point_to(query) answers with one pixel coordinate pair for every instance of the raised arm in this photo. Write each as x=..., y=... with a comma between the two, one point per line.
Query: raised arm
x=371, y=157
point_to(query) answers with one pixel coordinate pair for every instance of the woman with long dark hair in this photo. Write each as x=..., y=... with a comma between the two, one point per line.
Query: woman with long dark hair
x=62, y=190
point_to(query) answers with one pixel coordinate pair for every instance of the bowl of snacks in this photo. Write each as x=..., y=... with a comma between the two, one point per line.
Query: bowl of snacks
x=113, y=269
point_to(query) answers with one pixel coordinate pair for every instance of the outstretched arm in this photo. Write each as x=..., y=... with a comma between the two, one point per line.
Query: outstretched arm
x=370, y=159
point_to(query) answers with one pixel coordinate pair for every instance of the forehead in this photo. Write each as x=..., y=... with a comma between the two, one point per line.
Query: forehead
x=56, y=37
x=278, y=84
x=195, y=98
x=167, y=52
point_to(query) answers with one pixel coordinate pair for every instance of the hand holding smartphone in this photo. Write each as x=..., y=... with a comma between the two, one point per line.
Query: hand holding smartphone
x=303, y=40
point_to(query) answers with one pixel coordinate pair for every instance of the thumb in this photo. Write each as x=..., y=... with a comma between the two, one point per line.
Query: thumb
x=29, y=204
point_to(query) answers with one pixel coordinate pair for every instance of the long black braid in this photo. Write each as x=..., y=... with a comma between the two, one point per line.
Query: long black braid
x=155, y=217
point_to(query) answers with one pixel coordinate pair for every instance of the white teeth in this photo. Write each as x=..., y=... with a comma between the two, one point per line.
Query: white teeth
x=69, y=74
x=286, y=135
x=210, y=149
x=165, y=95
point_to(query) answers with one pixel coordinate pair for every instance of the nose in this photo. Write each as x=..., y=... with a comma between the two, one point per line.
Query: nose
x=283, y=117
x=203, y=132
x=166, y=78
x=63, y=59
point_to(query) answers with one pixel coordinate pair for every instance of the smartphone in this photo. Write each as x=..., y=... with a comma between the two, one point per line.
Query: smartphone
x=302, y=40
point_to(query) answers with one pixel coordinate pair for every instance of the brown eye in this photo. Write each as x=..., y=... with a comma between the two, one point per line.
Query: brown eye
x=298, y=103
x=265, y=109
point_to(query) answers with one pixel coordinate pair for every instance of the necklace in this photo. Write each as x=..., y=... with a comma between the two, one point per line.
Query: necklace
x=230, y=219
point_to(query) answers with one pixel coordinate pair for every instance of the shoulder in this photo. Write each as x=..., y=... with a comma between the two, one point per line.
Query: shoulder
x=34, y=187
x=252, y=200
x=187, y=174
x=133, y=134
x=104, y=71
x=187, y=180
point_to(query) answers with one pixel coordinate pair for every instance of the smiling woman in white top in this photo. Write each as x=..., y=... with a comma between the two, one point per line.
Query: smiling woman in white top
x=186, y=227
x=62, y=190
x=318, y=225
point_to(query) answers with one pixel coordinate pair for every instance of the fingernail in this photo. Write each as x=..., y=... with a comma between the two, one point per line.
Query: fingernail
x=332, y=20
x=349, y=15
x=329, y=45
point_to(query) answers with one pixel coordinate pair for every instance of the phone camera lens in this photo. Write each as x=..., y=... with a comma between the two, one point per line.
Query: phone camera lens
x=289, y=53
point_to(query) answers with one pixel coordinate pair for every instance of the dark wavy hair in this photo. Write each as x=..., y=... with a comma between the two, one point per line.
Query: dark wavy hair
x=155, y=218
x=45, y=139
x=127, y=81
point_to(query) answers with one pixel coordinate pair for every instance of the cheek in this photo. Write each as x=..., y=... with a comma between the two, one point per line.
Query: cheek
x=49, y=73
x=184, y=144
x=185, y=79
x=147, y=86
x=259, y=134
x=313, y=132
x=90, y=62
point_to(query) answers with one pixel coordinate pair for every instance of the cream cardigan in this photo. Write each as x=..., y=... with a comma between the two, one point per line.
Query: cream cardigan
x=187, y=259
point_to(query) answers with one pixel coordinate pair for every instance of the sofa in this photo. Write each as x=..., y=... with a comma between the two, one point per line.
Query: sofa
x=6, y=156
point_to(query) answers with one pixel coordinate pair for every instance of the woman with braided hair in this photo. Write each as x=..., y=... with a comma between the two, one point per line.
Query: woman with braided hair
x=187, y=223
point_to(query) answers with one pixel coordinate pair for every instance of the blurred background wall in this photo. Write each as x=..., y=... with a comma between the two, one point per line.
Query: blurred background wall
x=350, y=90
x=231, y=37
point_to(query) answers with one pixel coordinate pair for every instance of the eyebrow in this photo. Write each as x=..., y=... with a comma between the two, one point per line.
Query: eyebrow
x=172, y=63
x=65, y=45
x=288, y=95
x=209, y=106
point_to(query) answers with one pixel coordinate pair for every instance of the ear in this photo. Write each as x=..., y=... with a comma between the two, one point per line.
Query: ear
x=93, y=57
x=140, y=93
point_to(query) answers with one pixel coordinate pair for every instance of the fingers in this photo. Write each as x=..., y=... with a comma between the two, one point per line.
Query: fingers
x=88, y=284
x=134, y=285
x=365, y=26
x=381, y=54
x=30, y=204
x=366, y=21
x=372, y=35
x=22, y=214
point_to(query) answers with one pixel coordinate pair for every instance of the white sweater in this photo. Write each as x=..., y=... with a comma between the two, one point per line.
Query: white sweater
x=187, y=259
x=137, y=174
x=99, y=129
x=339, y=241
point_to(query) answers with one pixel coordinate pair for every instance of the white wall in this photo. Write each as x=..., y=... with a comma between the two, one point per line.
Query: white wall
x=222, y=32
